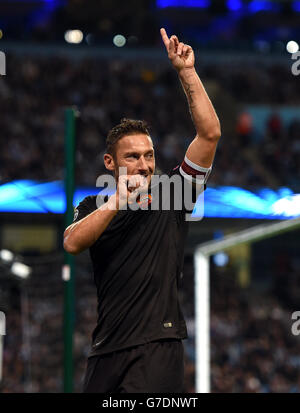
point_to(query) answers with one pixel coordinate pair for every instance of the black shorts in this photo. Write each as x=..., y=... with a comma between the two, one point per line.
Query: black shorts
x=155, y=367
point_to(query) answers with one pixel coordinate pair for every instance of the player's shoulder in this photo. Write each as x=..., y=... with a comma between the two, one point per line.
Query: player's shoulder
x=85, y=207
x=89, y=200
x=88, y=203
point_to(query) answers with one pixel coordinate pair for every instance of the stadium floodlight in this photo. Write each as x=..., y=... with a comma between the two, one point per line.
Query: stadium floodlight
x=73, y=36
x=6, y=256
x=20, y=270
x=292, y=46
x=119, y=40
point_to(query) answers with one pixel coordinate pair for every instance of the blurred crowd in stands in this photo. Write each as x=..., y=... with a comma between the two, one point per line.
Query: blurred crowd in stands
x=252, y=347
x=35, y=92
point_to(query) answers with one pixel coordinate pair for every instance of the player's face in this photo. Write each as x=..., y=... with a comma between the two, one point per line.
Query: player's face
x=136, y=153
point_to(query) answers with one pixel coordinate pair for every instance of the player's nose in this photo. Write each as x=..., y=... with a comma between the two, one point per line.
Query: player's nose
x=142, y=165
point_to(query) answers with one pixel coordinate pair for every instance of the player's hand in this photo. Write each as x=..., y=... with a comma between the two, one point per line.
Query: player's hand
x=129, y=188
x=180, y=54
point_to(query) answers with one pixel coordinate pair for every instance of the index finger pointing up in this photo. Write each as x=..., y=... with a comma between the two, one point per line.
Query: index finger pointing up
x=165, y=38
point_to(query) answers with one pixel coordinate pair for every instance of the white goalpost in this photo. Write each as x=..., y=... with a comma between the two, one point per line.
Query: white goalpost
x=202, y=302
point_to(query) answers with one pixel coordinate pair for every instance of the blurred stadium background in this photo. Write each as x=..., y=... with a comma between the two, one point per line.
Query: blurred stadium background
x=106, y=59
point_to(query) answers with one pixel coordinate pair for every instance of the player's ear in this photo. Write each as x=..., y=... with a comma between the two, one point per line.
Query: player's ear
x=109, y=162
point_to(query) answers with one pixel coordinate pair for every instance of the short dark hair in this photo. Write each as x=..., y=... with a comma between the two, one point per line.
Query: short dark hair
x=126, y=127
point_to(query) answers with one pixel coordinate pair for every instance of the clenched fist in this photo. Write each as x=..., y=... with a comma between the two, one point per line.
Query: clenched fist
x=129, y=188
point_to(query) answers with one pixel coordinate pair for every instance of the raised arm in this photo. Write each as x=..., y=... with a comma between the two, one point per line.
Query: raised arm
x=202, y=149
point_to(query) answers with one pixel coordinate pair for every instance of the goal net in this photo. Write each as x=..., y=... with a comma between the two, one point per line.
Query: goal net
x=202, y=290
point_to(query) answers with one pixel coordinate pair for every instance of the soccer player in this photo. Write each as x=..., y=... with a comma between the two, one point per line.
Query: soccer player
x=137, y=255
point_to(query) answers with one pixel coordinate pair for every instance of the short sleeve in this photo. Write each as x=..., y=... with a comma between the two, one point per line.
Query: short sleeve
x=85, y=207
x=193, y=172
x=193, y=178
